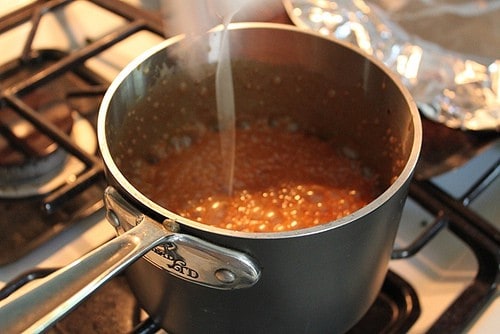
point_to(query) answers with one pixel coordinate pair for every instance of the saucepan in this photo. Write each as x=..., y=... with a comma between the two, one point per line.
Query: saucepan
x=192, y=277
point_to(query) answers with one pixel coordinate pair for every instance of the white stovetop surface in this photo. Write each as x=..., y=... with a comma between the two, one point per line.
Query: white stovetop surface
x=438, y=273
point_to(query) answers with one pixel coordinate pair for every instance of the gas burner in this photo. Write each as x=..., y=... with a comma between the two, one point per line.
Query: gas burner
x=30, y=163
x=33, y=160
x=28, y=155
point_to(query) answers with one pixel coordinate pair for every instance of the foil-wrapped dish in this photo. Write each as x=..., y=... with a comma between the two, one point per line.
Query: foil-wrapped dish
x=445, y=51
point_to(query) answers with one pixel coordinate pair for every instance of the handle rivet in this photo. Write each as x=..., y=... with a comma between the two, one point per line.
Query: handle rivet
x=171, y=225
x=225, y=276
x=112, y=218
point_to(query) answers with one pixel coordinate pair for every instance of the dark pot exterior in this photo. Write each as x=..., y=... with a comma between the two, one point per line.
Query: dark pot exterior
x=316, y=280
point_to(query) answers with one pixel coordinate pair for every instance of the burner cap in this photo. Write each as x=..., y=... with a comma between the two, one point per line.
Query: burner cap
x=26, y=155
x=83, y=135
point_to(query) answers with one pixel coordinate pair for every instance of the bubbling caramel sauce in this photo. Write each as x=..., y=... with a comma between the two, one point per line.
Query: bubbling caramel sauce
x=284, y=180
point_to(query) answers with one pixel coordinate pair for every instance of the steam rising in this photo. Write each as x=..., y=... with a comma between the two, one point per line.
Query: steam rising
x=199, y=16
x=194, y=18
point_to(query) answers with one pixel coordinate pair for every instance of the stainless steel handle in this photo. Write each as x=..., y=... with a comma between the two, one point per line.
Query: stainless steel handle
x=49, y=299
x=186, y=256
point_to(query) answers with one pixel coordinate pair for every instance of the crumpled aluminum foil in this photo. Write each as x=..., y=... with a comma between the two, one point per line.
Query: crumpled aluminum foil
x=445, y=51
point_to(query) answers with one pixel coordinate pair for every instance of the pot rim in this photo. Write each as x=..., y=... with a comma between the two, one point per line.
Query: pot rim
x=125, y=185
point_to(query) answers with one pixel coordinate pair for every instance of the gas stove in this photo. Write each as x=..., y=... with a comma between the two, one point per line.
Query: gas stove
x=55, y=65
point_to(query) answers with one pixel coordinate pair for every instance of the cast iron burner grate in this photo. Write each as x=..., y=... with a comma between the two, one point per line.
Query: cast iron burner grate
x=113, y=308
x=33, y=212
x=37, y=79
x=36, y=209
x=479, y=235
